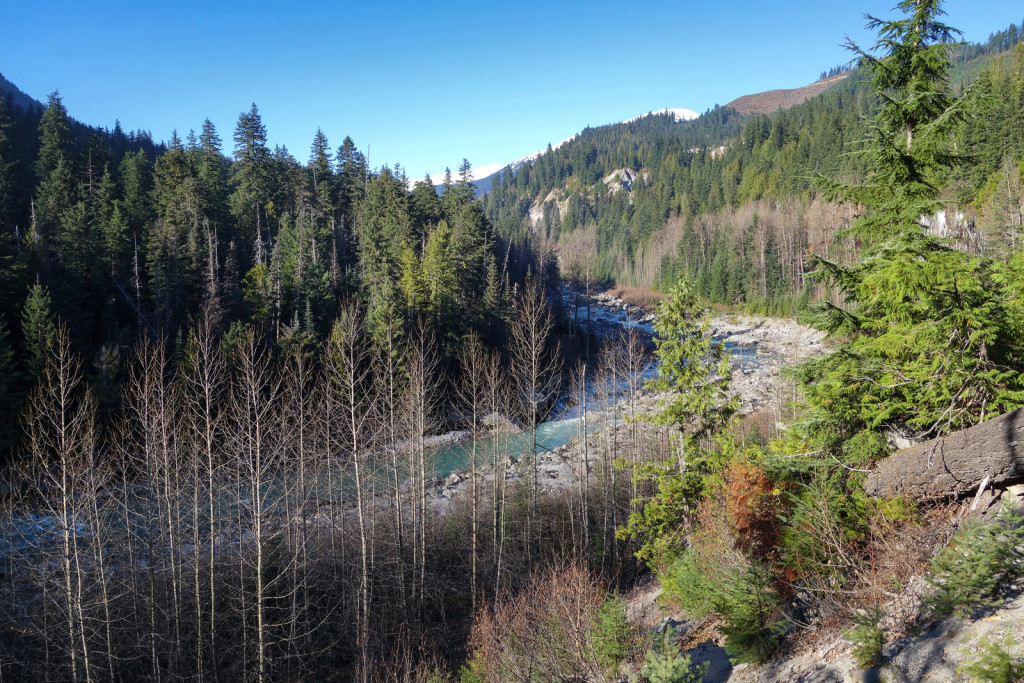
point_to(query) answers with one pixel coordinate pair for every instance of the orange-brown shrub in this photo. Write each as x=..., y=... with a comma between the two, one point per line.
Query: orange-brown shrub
x=644, y=297
x=753, y=505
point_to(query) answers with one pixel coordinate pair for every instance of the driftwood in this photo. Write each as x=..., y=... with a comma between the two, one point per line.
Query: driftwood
x=955, y=465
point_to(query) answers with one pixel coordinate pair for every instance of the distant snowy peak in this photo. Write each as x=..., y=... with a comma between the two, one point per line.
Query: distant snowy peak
x=679, y=113
x=490, y=169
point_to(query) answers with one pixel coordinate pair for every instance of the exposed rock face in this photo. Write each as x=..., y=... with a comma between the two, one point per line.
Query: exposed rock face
x=955, y=465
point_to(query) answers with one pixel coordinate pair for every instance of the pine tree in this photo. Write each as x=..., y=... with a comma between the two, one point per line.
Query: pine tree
x=695, y=372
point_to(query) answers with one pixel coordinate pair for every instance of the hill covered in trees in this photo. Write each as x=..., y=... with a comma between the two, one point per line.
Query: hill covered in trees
x=220, y=374
x=733, y=202
x=114, y=236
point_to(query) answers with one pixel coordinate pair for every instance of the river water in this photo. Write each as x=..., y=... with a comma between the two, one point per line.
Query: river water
x=27, y=530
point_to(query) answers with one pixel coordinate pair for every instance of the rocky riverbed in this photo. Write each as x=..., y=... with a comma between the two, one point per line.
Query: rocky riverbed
x=775, y=343
x=761, y=346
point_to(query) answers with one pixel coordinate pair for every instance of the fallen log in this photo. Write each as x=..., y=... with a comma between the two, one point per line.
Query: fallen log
x=955, y=465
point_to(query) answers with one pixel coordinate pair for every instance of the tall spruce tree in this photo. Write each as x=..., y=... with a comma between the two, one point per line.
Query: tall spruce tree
x=251, y=176
x=928, y=345
x=322, y=173
x=55, y=138
x=38, y=328
x=7, y=165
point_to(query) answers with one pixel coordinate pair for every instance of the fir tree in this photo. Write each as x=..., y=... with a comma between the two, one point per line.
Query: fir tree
x=322, y=173
x=7, y=166
x=930, y=347
x=696, y=374
x=38, y=328
x=9, y=391
x=55, y=139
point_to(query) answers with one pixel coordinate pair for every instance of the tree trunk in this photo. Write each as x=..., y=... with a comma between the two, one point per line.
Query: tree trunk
x=954, y=465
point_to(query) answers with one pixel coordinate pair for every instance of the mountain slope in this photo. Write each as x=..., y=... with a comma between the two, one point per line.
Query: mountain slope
x=770, y=101
x=18, y=98
x=484, y=175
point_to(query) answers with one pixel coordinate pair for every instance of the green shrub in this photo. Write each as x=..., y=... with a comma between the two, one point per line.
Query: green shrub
x=751, y=606
x=993, y=664
x=474, y=670
x=868, y=637
x=611, y=634
x=897, y=509
x=664, y=664
x=827, y=517
x=744, y=596
x=978, y=564
x=686, y=581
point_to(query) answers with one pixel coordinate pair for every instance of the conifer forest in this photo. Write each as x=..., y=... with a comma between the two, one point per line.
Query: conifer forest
x=269, y=417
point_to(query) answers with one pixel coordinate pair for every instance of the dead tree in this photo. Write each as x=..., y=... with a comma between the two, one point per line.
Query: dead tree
x=955, y=465
x=351, y=382
x=534, y=366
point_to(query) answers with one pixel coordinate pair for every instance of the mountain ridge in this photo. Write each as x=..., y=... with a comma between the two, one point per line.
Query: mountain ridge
x=484, y=175
x=18, y=97
x=770, y=101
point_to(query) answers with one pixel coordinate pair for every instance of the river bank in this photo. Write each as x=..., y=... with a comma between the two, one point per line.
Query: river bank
x=761, y=349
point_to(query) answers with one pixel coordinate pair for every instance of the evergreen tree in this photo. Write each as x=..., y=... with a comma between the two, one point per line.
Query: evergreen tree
x=351, y=169
x=9, y=392
x=212, y=173
x=7, y=167
x=92, y=160
x=57, y=192
x=382, y=226
x=136, y=184
x=929, y=342
x=322, y=173
x=695, y=372
x=55, y=139
x=410, y=280
x=425, y=206
x=251, y=173
x=440, y=282
x=38, y=328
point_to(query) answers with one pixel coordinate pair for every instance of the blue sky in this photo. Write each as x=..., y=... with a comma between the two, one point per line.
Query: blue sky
x=426, y=84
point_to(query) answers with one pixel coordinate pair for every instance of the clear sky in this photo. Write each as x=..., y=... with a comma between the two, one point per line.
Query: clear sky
x=425, y=84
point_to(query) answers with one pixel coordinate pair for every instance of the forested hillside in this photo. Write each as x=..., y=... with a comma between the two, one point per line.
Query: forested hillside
x=113, y=236
x=269, y=418
x=734, y=203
